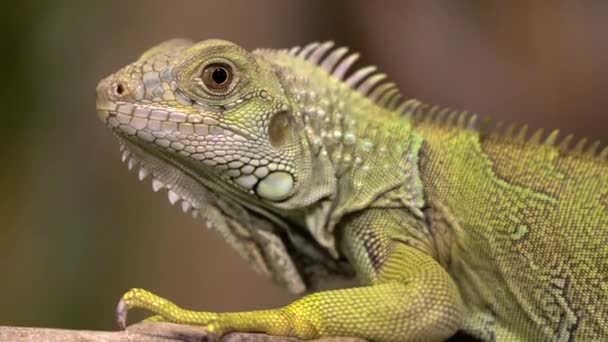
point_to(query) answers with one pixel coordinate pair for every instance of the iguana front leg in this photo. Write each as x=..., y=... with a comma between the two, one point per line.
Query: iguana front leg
x=411, y=298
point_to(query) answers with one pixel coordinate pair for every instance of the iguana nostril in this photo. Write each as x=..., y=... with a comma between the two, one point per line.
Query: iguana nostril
x=119, y=89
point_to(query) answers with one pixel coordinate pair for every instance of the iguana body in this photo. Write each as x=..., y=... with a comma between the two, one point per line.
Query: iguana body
x=311, y=173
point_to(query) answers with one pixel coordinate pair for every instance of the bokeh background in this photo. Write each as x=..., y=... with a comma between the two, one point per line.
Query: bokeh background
x=77, y=229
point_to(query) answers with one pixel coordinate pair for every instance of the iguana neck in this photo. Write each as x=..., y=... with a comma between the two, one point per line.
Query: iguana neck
x=369, y=150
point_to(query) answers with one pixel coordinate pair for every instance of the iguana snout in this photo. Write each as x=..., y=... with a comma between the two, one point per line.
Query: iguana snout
x=110, y=91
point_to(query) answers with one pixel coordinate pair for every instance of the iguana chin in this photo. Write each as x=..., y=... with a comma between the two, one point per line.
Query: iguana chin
x=312, y=171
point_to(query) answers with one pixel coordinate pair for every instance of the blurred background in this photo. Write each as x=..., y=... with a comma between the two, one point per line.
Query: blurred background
x=77, y=229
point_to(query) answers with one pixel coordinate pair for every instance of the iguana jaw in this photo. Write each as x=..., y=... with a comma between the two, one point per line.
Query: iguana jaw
x=194, y=187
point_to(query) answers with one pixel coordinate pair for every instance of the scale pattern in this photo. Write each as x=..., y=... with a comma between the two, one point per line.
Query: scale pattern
x=312, y=169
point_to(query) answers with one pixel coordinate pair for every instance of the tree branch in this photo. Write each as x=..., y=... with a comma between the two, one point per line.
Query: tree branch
x=142, y=332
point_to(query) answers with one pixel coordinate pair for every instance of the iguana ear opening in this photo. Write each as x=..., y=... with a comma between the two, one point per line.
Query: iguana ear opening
x=280, y=129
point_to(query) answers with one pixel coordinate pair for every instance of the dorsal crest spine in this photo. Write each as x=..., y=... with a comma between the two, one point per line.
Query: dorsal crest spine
x=446, y=117
x=375, y=85
x=366, y=80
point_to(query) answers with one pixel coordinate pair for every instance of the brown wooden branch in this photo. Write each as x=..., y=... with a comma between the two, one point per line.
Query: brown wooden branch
x=142, y=332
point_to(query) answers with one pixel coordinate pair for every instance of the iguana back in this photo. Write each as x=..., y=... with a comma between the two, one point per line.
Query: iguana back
x=527, y=222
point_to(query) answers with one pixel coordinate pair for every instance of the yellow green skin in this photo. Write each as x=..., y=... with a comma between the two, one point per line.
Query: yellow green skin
x=447, y=228
x=528, y=230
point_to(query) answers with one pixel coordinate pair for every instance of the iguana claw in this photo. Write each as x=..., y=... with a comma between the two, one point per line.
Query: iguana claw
x=121, y=314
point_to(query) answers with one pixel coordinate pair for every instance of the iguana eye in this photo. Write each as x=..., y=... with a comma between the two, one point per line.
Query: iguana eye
x=217, y=77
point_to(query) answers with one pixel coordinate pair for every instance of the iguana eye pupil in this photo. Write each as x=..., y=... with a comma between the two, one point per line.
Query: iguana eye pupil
x=217, y=76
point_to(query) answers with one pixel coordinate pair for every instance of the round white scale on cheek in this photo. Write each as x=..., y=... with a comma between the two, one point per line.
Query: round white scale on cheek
x=276, y=186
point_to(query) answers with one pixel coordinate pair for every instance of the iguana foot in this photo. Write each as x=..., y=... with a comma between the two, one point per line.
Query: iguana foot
x=165, y=311
x=281, y=321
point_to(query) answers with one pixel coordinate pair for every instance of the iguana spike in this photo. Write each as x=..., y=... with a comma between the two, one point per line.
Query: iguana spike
x=173, y=196
x=446, y=116
x=370, y=82
x=364, y=80
x=472, y=122
x=308, y=49
x=157, y=185
x=604, y=154
x=432, y=115
x=580, y=146
x=195, y=213
x=486, y=127
x=564, y=146
x=422, y=112
x=452, y=115
x=143, y=173
x=387, y=96
x=536, y=136
x=393, y=102
x=510, y=131
x=334, y=57
x=319, y=52
x=380, y=90
x=360, y=74
x=344, y=65
x=522, y=134
x=131, y=163
x=552, y=138
x=408, y=107
x=186, y=206
x=592, y=150
x=462, y=119
x=498, y=129
x=294, y=50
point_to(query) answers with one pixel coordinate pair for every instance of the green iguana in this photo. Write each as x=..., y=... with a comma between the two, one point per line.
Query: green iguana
x=311, y=171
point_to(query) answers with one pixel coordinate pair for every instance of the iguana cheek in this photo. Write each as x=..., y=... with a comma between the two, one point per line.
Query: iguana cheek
x=276, y=186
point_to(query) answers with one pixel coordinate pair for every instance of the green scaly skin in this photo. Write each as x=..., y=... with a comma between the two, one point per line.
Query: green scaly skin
x=311, y=172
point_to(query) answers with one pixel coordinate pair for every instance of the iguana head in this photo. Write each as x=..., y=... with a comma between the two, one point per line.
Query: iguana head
x=221, y=128
x=218, y=110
